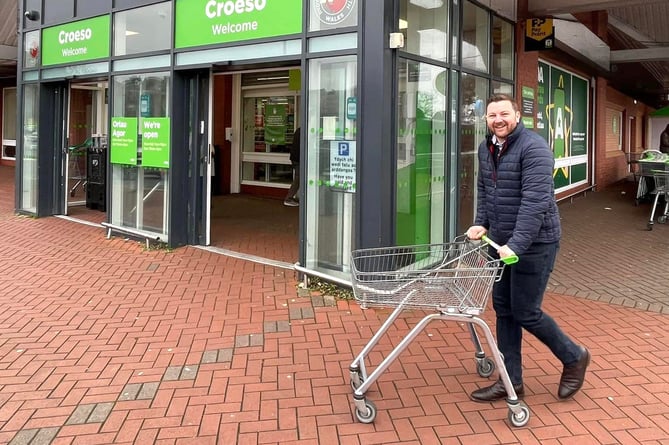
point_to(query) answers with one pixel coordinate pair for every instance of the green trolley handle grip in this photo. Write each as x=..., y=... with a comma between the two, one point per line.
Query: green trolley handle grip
x=513, y=259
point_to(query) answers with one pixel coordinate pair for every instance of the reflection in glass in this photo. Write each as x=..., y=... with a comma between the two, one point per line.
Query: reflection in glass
x=424, y=24
x=30, y=121
x=331, y=163
x=139, y=194
x=502, y=48
x=9, y=123
x=475, y=40
x=474, y=93
x=502, y=88
x=143, y=29
x=421, y=175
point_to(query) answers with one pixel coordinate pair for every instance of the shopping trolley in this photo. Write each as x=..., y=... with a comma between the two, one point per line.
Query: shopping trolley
x=661, y=180
x=452, y=279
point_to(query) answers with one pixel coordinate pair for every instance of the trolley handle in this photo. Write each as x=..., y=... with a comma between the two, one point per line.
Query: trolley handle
x=513, y=259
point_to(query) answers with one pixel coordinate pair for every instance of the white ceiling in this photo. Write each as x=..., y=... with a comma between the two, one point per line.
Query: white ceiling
x=638, y=35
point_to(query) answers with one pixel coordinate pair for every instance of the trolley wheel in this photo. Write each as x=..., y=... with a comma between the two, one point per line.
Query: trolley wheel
x=369, y=415
x=649, y=225
x=521, y=418
x=485, y=367
x=662, y=219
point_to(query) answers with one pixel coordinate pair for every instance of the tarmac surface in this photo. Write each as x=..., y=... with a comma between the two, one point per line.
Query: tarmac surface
x=103, y=341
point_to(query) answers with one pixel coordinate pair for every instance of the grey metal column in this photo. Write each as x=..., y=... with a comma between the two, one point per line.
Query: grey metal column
x=375, y=220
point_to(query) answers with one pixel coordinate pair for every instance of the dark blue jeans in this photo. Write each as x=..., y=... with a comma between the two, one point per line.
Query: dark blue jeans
x=517, y=299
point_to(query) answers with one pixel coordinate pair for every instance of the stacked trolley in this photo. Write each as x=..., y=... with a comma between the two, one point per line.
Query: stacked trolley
x=452, y=279
x=654, y=180
x=657, y=169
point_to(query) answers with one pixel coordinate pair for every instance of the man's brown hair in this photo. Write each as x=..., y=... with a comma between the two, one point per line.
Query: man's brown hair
x=499, y=97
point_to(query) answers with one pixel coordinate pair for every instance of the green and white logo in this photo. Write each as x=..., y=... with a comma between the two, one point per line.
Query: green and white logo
x=76, y=42
x=206, y=22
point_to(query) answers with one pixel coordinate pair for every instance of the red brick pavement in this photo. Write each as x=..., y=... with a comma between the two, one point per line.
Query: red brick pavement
x=105, y=342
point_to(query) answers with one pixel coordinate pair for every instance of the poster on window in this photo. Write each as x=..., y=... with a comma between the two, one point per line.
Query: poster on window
x=562, y=119
x=156, y=142
x=275, y=124
x=342, y=165
x=123, y=141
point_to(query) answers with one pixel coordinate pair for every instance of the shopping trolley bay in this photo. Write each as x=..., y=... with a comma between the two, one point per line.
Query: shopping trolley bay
x=451, y=282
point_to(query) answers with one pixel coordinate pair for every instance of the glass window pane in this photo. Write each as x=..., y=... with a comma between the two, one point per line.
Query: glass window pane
x=139, y=194
x=9, y=114
x=424, y=24
x=331, y=163
x=421, y=175
x=475, y=32
x=332, y=14
x=474, y=93
x=502, y=88
x=502, y=48
x=30, y=121
x=259, y=137
x=143, y=29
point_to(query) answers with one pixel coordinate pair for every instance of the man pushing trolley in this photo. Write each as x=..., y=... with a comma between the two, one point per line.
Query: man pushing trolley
x=515, y=207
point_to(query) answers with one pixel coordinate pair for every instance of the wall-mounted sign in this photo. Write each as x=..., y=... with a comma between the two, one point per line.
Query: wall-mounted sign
x=527, y=106
x=539, y=34
x=275, y=124
x=123, y=141
x=206, y=22
x=145, y=105
x=342, y=165
x=156, y=142
x=562, y=119
x=351, y=108
x=76, y=42
x=333, y=12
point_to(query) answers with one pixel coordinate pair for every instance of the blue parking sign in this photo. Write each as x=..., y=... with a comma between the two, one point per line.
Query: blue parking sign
x=343, y=149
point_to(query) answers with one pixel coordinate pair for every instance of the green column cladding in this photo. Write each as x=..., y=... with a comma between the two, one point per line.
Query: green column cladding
x=413, y=221
x=77, y=41
x=206, y=22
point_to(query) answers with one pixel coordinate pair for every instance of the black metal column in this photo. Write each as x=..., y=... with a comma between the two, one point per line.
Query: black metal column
x=376, y=166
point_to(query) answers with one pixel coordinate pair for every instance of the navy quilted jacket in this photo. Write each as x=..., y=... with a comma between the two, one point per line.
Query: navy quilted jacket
x=516, y=200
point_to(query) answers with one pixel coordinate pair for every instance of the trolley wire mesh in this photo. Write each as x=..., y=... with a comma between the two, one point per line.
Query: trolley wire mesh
x=449, y=277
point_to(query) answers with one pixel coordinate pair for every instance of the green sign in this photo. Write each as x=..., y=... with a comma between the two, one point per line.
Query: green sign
x=123, y=140
x=76, y=41
x=156, y=142
x=351, y=108
x=562, y=119
x=206, y=22
x=275, y=124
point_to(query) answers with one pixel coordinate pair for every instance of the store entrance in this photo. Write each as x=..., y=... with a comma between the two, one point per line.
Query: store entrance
x=85, y=152
x=254, y=118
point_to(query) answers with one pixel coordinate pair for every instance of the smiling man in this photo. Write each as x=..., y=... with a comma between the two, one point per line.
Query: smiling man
x=516, y=207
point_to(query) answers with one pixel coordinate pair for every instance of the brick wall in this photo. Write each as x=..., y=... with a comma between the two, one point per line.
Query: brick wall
x=610, y=160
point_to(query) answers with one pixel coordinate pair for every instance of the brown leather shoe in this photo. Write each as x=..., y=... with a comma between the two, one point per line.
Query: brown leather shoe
x=496, y=392
x=573, y=376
